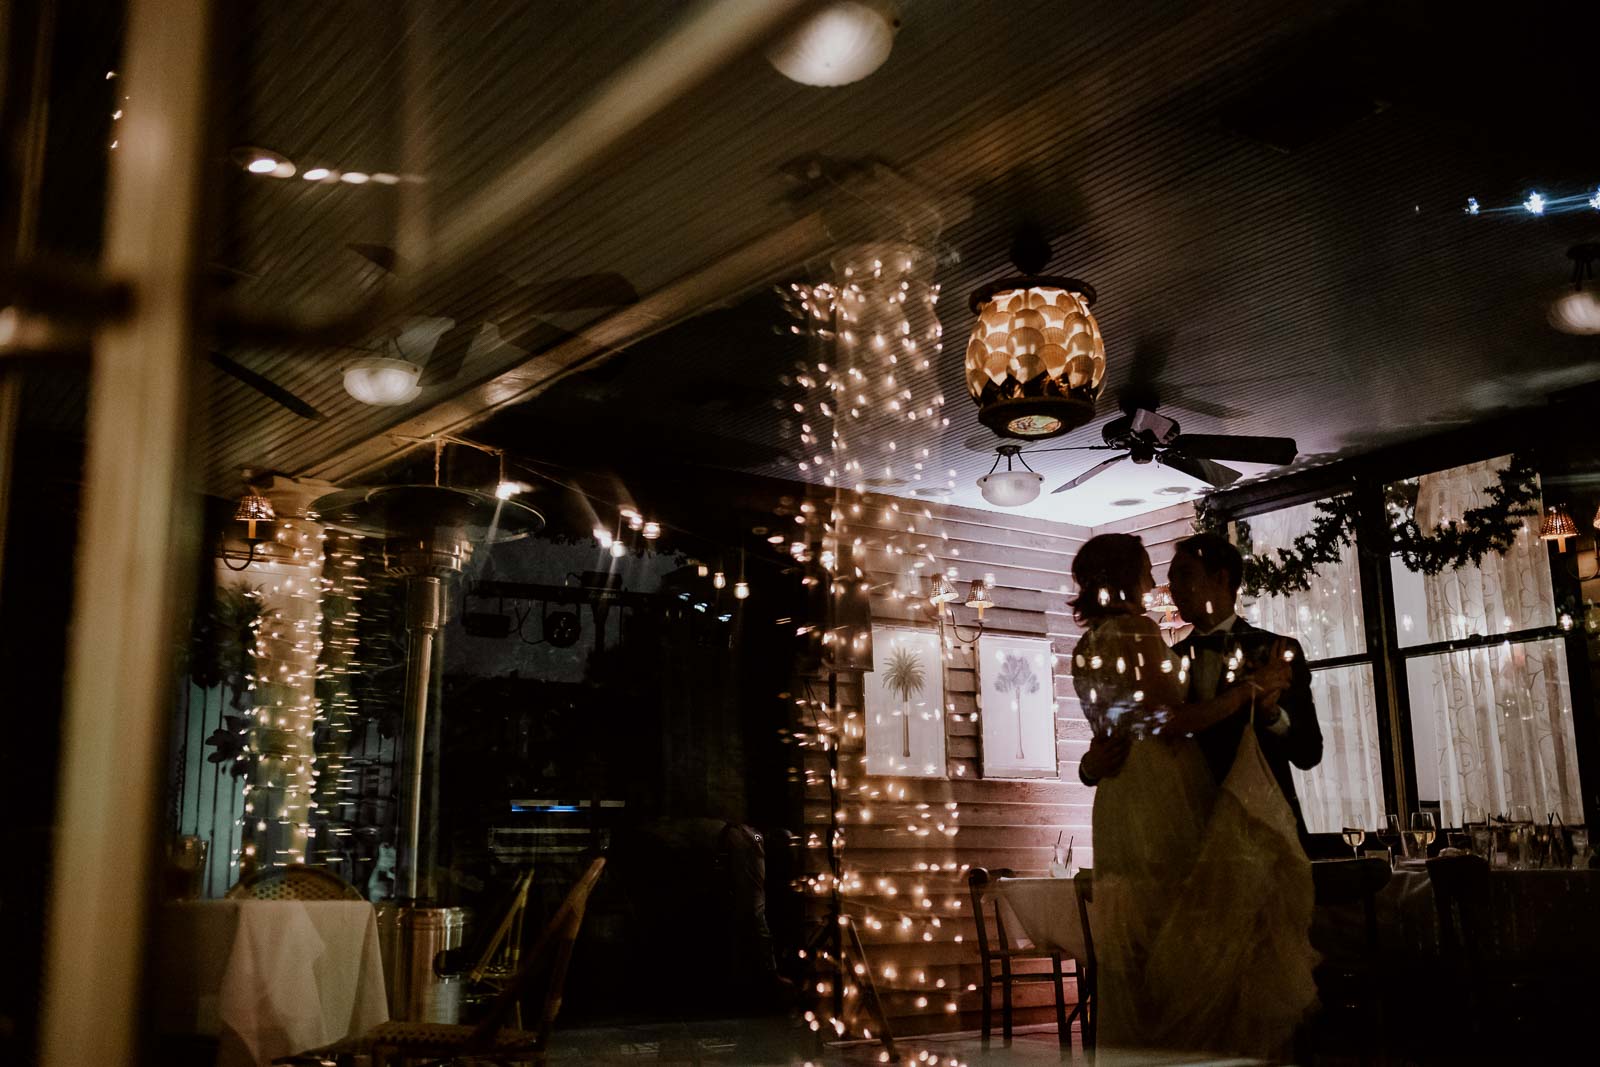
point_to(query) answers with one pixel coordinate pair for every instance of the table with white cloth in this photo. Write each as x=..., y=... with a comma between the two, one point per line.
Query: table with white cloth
x=1043, y=912
x=268, y=977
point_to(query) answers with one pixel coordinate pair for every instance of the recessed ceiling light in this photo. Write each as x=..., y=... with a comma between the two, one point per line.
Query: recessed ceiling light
x=932, y=490
x=1127, y=502
x=316, y=174
x=383, y=178
x=1173, y=490
x=354, y=177
x=262, y=165
x=263, y=161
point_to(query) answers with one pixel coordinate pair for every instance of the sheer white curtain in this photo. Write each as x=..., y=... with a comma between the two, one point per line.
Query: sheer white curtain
x=1327, y=620
x=1501, y=716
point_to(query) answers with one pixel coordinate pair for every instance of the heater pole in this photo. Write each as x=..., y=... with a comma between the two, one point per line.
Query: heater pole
x=424, y=611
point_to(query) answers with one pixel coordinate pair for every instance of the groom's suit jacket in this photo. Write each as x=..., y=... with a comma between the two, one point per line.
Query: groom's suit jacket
x=1299, y=745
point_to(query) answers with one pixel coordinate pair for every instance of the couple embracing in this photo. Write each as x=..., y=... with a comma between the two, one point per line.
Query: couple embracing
x=1202, y=887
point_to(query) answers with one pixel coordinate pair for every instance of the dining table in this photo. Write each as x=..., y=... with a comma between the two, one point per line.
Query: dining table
x=1538, y=915
x=1042, y=912
x=267, y=978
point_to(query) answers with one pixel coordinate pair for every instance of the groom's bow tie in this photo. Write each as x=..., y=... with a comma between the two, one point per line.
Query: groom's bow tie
x=1213, y=642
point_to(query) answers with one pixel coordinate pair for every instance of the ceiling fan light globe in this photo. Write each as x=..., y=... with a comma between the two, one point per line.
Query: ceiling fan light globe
x=1010, y=489
x=1577, y=312
x=842, y=43
x=382, y=382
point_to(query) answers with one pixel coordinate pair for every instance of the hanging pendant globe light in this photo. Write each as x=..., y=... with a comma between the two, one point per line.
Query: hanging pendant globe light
x=1036, y=361
x=1010, y=488
x=1578, y=311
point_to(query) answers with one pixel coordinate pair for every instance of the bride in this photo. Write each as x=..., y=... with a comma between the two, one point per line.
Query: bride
x=1202, y=892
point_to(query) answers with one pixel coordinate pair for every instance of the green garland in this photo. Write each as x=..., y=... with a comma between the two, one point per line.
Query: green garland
x=1491, y=528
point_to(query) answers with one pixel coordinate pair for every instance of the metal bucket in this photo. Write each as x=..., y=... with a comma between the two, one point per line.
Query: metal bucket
x=410, y=939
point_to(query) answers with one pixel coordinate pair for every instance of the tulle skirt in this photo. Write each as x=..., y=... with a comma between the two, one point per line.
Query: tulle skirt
x=1202, y=907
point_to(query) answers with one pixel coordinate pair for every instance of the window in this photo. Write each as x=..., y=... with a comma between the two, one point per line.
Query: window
x=1491, y=723
x=1328, y=622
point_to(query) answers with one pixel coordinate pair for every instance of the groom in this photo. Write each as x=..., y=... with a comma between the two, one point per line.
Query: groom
x=1204, y=577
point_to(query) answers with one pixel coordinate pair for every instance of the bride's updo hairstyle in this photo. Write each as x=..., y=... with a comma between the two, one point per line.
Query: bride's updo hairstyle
x=1108, y=570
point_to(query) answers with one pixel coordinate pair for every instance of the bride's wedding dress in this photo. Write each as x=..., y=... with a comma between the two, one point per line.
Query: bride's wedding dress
x=1202, y=894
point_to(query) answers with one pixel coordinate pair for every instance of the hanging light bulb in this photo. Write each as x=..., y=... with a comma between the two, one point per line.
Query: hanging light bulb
x=652, y=530
x=618, y=549
x=741, y=589
x=701, y=570
x=719, y=580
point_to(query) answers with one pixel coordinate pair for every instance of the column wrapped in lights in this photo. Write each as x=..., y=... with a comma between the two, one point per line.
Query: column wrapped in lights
x=1036, y=360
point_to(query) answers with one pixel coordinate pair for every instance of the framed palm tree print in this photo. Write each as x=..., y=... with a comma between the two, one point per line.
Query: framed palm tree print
x=904, y=704
x=1017, y=705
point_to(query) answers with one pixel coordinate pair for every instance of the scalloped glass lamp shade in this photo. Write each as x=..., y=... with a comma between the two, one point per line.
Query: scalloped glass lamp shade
x=1557, y=526
x=843, y=43
x=381, y=381
x=1036, y=360
x=1010, y=489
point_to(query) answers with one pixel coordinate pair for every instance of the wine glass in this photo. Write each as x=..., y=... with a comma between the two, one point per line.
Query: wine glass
x=1423, y=831
x=1354, y=831
x=1392, y=834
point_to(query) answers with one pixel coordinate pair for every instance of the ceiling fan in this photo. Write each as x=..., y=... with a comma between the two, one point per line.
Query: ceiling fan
x=443, y=336
x=1145, y=436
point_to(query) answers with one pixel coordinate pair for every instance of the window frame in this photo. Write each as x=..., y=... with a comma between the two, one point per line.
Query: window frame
x=1364, y=480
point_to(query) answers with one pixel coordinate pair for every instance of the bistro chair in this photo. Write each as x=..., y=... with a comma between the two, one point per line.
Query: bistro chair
x=294, y=882
x=1000, y=950
x=1083, y=886
x=491, y=1040
x=1350, y=986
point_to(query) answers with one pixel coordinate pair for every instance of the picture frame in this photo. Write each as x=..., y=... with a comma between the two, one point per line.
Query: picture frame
x=903, y=704
x=1017, y=706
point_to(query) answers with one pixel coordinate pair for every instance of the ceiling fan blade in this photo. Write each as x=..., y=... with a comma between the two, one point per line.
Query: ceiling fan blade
x=1201, y=469
x=1090, y=473
x=1277, y=451
x=265, y=386
x=381, y=256
x=449, y=354
x=1186, y=401
x=576, y=293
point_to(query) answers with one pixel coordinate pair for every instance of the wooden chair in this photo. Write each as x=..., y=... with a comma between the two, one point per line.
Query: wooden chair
x=490, y=1039
x=1351, y=988
x=1083, y=883
x=294, y=882
x=1000, y=950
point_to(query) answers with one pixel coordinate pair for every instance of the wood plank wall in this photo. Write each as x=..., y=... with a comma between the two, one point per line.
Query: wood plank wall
x=908, y=842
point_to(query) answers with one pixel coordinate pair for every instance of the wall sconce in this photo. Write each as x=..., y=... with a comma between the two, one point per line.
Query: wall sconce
x=1557, y=526
x=254, y=508
x=978, y=598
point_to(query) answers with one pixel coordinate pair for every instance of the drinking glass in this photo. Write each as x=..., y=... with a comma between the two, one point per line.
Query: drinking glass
x=1519, y=853
x=1423, y=832
x=1354, y=831
x=1394, y=838
x=1580, y=848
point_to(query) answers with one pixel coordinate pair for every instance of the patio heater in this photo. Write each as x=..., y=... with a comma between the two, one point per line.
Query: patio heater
x=427, y=533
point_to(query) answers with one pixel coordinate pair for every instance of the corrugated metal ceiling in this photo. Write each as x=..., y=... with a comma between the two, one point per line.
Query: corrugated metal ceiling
x=1335, y=293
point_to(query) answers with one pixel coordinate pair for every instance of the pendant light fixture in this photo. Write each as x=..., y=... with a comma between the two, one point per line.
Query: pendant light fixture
x=1010, y=488
x=1578, y=312
x=1036, y=361
x=842, y=43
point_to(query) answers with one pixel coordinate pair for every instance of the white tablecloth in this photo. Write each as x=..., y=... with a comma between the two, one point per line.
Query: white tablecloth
x=1046, y=910
x=268, y=977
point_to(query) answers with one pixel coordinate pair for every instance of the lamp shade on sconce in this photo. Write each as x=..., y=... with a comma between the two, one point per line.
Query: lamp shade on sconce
x=978, y=596
x=381, y=381
x=254, y=508
x=1557, y=526
x=1010, y=489
x=943, y=592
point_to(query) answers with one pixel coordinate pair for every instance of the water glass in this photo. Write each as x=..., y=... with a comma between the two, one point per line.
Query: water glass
x=1580, y=847
x=1482, y=836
